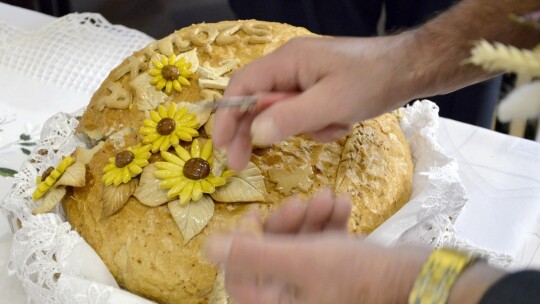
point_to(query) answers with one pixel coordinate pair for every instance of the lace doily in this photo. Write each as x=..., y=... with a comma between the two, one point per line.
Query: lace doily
x=438, y=192
x=75, y=52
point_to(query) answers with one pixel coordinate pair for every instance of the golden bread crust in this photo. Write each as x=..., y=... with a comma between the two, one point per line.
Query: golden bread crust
x=143, y=246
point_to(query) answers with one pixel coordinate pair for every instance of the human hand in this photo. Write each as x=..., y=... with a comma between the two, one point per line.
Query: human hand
x=305, y=256
x=337, y=81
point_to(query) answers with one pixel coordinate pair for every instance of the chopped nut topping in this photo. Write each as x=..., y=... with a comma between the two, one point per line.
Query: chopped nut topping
x=170, y=72
x=196, y=168
x=124, y=158
x=166, y=126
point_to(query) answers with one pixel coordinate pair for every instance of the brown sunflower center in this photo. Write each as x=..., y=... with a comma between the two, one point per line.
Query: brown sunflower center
x=47, y=173
x=196, y=168
x=166, y=126
x=170, y=72
x=124, y=158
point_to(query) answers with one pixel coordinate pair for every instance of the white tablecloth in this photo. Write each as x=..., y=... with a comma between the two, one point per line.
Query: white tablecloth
x=500, y=173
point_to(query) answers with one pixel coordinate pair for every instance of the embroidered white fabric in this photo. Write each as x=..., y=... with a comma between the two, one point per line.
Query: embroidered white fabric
x=64, y=52
x=55, y=265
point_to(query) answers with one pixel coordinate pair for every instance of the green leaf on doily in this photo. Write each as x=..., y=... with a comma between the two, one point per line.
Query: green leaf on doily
x=7, y=172
x=27, y=144
x=25, y=151
x=24, y=137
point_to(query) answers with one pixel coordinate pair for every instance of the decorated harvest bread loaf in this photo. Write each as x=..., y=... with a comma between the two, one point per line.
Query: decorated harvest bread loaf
x=150, y=188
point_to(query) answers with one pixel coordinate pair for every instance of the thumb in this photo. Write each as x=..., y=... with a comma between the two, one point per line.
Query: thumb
x=309, y=111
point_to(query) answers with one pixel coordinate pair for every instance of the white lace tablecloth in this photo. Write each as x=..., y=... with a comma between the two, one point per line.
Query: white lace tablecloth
x=499, y=172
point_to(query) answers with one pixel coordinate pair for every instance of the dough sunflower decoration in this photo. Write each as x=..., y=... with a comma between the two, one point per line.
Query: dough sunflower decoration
x=50, y=176
x=126, y=165
x=189, y=175
x=190, y=182
x=166, y=127
x=51, y=184
x=170, y=73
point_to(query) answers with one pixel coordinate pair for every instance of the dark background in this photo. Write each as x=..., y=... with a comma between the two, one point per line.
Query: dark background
x=156, y=18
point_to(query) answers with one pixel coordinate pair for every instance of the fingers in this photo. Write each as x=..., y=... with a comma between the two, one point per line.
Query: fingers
x=339, y=220
x=307, y=112
x=330, y=133
x=239, y=147
x=251, y=289
x=322, y=212
x=318, y=212
x=288, y=218
x=269, y=257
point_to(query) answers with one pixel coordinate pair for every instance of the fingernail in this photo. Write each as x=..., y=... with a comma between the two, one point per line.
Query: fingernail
x=264, y=132
x=217, y=249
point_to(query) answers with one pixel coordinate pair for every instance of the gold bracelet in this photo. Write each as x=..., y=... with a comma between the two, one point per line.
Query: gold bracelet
x=438, y=275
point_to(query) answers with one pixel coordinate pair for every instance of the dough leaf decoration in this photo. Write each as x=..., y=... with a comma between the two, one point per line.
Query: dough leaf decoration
x=53, y=197
x=246, y=186
x=149, y=193
x=192, y=217
x=114, y=198
x=74, y=176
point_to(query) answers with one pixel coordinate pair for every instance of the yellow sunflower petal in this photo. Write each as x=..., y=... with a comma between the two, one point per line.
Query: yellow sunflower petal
x=149, y=123
x=140, y=162
x=168, y=88
x=108, y=180
x=147, y=130
x=126, y=175
x=195, y=149
x=182, y=111
x=109, y=167
x=183, y=81
x=197, y=192
x=161, y=84
x=172, y=59
x=162, y=111
x=184, y=136
x=216, y=181
x=134, y=169
x=117, y=179
x=207, y=187
x=185, y=195
x=174, y=139
x=150, y=138
x=156, y=144
x=177, y=86
x=157, y=64
x=189, y=131
x=165, y=174
x=177, y=189
x=155, y=72
x=171, y=182
x=187, y=118
x=173, y=158
x=155, y=80
x=165, y=144
x=168, y=166
x=164, y=60
x=171, y=110
x=206, y=153
x=182, y=153
x=155, y=116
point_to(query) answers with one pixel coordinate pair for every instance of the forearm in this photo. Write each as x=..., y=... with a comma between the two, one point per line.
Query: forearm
x=442, y=44
x=473, y=283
